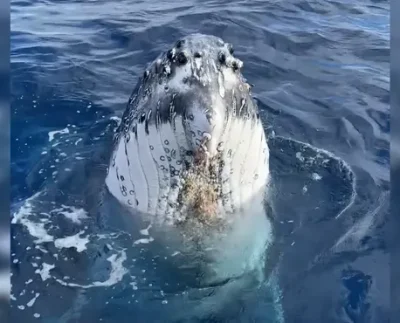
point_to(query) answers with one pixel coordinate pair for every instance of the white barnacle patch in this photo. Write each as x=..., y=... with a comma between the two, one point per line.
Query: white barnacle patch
x=221, y=84
x=231, y=79
x=176, y=83
x=118, y=180
x=167, y=69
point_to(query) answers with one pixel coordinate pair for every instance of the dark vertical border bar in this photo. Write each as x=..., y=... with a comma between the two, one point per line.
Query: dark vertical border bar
x=4, y=160
x=394, y=220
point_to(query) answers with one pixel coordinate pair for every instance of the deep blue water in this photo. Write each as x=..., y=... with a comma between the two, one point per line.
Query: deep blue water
x=320, y=71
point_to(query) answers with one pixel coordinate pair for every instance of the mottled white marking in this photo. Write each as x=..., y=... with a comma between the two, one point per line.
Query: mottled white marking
x=118, y=179
x=176, y=83
x=234, y=156
x=230, y=79
x=136, y=171
x=149, y=167
x=161, y=164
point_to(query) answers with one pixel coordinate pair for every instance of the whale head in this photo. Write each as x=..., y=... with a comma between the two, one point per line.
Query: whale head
x=191, y=144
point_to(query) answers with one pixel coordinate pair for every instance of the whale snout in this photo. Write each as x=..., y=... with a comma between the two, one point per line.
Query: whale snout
x=191, y=136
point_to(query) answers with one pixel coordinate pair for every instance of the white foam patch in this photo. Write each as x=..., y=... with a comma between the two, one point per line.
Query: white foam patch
x=143, y=241
x=37, y=223
x=116, y=119
x=35, y=229
x=75, y=241
x=53, y=133
x=37, y=226
x=78, y=141
x=72, y=213
x=33, y=300
x=316, y=177
x=134, y=285
x=45, y=271
x=145, y=232
x=118, y=271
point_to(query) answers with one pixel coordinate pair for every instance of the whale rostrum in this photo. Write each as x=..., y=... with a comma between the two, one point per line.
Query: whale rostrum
x=191, y=145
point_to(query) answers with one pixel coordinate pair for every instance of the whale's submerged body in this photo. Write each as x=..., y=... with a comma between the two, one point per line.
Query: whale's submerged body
x=191, y=145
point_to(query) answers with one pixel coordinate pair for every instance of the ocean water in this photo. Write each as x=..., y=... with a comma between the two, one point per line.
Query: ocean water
x=320, y=71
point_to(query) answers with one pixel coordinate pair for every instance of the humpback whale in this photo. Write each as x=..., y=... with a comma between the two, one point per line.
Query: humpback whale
x=190, y=159
x=191, y=145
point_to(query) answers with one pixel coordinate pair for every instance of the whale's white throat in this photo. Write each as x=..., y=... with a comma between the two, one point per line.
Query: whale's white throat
x=191, y=142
